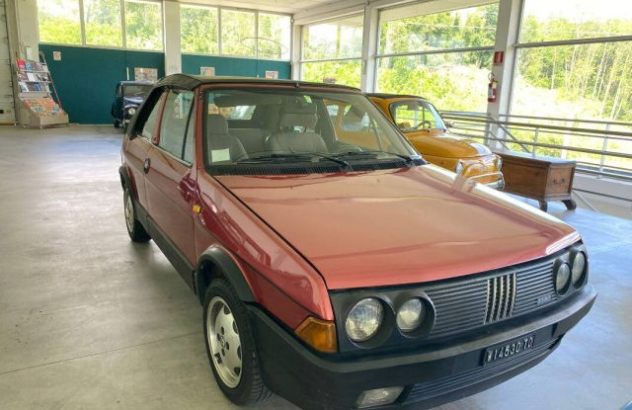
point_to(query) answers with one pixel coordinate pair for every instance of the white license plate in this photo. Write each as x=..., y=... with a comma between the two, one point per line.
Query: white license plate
x=509, y=349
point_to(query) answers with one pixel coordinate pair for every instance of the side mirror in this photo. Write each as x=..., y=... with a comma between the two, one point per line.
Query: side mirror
x=449, y=124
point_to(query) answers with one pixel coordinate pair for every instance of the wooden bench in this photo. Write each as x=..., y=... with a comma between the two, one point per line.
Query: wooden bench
x=539, y=177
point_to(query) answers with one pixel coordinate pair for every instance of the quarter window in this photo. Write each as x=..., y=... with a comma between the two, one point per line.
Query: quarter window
x=174, y=122
x=149, y=128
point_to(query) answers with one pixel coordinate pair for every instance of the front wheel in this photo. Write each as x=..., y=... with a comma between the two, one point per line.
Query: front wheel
x=135, y=229
x=231, y=347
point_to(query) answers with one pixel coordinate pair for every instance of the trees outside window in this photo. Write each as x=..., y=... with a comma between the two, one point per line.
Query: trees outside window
x=332, y=51
x=143, y=25
x=199, y=29
x=452, y=80
x=59, y=21
x=273, y=39
x=238, y=33
x=102, y=19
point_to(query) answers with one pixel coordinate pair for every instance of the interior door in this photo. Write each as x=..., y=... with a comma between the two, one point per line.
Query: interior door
x=171, y=187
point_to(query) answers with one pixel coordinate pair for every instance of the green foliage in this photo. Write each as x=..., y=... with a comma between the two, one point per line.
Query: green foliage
x=274, y=33
x=238, y=33
x=59, y=30
x=343, y=72
x=143, y=24
x=199, y=30
x=337, y=39
x=103, y=22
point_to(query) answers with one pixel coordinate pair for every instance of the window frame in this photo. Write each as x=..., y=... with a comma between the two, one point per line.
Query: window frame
x=220, y=52
x=83, y=42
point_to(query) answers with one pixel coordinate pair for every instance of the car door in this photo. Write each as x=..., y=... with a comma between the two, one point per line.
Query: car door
x=140, y=143
x=171, y=187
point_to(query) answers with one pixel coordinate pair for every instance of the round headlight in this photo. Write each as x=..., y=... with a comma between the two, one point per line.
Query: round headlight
x=562, y=278
x=364, y=319
x=132, y=111
x=459, y=167
x=411, y=315
x=579, y=266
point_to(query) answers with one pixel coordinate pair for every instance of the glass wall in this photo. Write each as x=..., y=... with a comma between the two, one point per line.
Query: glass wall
x=102, y=19
x=199, y=29
x=332, y=51
x=243, y=33
x=143, y=25
x=574, y=80
x=238, y=33
x=447, y=55
x=60, y=22
x=274, y=36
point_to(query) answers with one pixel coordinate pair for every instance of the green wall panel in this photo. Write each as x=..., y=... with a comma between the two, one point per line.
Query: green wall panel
x=85, y=78
x=231, y=66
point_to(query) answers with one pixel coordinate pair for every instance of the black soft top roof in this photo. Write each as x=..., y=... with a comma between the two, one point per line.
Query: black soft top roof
x=385, y=96
x=190, y=82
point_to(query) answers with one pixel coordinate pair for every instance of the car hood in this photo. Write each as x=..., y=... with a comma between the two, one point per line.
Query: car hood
x=440, y=144
x=399, y=226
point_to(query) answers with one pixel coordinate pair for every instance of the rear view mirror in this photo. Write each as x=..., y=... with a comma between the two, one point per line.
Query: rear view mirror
x=449, y=124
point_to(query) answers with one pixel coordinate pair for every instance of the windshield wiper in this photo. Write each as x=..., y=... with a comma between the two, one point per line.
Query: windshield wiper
x=406, y=158
x=291, y=156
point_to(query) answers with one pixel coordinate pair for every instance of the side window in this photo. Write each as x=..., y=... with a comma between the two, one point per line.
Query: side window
x=149, y=128
x=174, y=122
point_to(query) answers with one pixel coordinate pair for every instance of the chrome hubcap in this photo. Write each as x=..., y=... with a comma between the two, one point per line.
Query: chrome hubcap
x=224, y=342
x=129, y=213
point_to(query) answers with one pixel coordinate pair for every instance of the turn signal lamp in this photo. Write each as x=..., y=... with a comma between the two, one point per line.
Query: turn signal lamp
x=319, y=334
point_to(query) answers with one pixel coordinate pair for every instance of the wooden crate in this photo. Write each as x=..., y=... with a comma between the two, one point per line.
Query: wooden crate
x=539, y=177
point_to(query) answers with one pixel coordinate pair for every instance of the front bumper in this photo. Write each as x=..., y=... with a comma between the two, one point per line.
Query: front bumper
x=432, y=375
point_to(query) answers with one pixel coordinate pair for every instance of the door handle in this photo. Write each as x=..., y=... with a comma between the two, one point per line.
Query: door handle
x=146, y=165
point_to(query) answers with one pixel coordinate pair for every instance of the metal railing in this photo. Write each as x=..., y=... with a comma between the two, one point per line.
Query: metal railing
x=601, y=148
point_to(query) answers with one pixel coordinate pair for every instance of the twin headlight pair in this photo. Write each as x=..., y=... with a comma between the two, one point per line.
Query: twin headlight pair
x=367, y=316
x=571, y=273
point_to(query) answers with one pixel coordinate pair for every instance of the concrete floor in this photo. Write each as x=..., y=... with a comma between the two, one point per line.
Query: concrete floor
x=89, y=320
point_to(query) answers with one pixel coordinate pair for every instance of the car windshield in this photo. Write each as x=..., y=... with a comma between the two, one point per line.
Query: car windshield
x=416, y=115
x=279, y=127
x=136, y=90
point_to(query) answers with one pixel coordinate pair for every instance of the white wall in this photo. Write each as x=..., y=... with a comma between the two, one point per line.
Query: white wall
x=7, y=109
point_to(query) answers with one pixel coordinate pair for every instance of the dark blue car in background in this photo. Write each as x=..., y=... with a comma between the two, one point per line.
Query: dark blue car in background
x=129, y=95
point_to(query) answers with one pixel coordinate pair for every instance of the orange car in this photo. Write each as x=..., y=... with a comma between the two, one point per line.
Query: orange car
x=421, y=123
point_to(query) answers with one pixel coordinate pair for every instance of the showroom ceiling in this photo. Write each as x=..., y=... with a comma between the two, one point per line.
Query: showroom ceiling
x=285, y=6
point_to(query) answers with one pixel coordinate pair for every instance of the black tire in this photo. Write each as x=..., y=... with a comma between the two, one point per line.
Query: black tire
x=135, y=229
x=251, y=388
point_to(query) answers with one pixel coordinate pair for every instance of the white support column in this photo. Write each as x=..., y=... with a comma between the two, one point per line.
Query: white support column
x=369, y=48
x=27, y=28
x=297, y=49
x=506, y=38
x=173, y=49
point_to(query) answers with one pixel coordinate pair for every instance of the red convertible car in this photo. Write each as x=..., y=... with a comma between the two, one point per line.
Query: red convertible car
x=337, y=274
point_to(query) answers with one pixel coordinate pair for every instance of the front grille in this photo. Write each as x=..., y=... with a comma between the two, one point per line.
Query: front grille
x=501, y=295
x=463, y=305
x=445, y=385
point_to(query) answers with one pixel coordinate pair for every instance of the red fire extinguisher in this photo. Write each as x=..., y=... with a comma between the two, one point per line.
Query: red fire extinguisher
x=492, y=89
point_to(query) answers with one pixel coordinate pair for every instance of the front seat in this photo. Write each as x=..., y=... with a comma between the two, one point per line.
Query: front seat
x=290, y=140
x=221, y=145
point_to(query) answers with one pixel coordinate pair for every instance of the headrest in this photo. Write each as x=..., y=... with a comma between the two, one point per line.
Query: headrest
x=299, y=106
x=302, y=120
x=217, y=124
